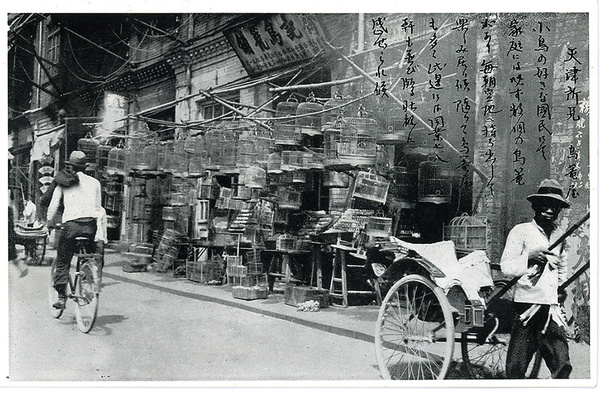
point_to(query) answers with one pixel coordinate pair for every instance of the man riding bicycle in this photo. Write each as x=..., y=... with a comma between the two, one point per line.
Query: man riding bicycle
x=82, y=206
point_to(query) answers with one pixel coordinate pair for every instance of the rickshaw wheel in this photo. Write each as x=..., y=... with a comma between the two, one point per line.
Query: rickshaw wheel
x=414, y=337
x=484, y=350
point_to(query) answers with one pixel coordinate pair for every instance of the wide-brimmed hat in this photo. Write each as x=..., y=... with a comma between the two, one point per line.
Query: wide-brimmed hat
x=549, y=188
x=77, y=159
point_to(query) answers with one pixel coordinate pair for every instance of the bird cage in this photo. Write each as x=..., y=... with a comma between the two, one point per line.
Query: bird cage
x=404, y=186
x=207, y=188
x=255, y=177
x=246, y=151
x=180, y=160
x=89, y=146
x=331, y=140
x=468, y=233
x=315, y=159
x=286, y=156
x=379, y=226
x=308, y=117
x=140, y=208
x=335, y=109
x=338, y=199
x=196, y=150
x=393, y=131
x=335, y=179
x=150, y=156
x=113, y=187
x=263, y=144
x=102, y=155
x=371, y=187
x=288, y=198
x=227, y=144
x=284, y=131
x=299, y=177
x=117, y=159
x=274, y=163
x=357, y=144
x=286, y=242
x=435, y=181
x=169, y=157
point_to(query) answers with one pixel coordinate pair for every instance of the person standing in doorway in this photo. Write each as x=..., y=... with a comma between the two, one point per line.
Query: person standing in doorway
x=81, y=203
x=538, y=323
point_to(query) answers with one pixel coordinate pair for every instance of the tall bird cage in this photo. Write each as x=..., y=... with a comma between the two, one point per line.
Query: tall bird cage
x=357, y=145
x=181, y=160
x=403, y=189
x=213, y=154
x=117, y=160
x=228, y=143
x=284, y=131
x=435, y=181
x=263, y=145
x=274, y=163
x=331, y=140
x=89, y=146
x=196, y=151
x=393, y=131
x=247, y=154
x=308, y=117
x=102, y=155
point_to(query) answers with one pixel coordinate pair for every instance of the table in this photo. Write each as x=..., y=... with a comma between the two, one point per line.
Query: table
x=287, y=258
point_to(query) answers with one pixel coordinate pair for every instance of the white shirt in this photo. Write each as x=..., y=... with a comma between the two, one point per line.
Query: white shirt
x=82, y=200
x=30, y=212
x=522, y=239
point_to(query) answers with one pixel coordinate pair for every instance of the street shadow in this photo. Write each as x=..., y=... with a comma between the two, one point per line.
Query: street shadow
x=103, y=322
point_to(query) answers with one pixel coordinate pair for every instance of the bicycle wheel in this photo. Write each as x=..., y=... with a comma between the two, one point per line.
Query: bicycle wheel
x=86, y=296
x=414, y=337
x=52, y=294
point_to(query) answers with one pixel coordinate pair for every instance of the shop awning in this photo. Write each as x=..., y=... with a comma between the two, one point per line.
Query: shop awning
x=45, y=141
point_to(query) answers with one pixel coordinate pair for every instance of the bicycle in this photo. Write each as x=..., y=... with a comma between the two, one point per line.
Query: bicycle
x=83, y=288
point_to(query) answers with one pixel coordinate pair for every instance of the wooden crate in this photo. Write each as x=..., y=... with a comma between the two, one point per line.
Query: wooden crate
x=294, y=295
x=250, y=293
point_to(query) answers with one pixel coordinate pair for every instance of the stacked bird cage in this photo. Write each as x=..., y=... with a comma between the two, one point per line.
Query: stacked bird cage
x=255, y=276
x=286, y=242
x=288, y=198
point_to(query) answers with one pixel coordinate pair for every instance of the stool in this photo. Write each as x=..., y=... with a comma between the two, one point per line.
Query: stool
x=339, y=275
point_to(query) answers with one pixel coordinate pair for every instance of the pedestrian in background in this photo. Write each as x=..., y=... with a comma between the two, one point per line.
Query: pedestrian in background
x=538, y=323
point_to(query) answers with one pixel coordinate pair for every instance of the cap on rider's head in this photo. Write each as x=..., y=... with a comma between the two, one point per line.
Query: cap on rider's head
x=549, y=189
x=77, y=159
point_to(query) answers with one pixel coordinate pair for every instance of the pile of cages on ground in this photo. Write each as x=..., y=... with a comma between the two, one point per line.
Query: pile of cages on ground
x=204, y=270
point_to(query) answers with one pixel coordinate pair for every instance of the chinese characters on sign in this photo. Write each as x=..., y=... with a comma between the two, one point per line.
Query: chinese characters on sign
x=274, y=41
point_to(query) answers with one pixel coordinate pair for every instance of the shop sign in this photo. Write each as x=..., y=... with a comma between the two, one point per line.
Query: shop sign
x=276, y=40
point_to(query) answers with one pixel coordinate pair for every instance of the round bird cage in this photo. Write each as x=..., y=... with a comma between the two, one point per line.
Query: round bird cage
x=309, y=122
x=403, y=189
x=357, y=145
x=435, y=181
x=335, y=109
x=117, y=159
x=468, y=233
x=393, y=131
x=89, y=146
x=102, y=155
x=284, y=131
x=274, y=163
x=331, y=141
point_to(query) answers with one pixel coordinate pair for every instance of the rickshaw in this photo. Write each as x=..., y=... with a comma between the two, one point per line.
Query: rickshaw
x=429, y=307
x=35, y=236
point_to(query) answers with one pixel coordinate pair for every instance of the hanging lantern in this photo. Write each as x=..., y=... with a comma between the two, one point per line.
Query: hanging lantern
x=435, y=181
x=357, y=145
x=309, y=120
x=284, y=131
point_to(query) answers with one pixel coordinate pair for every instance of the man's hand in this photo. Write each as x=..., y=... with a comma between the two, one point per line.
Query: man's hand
x=562, y=296
x=539, y=257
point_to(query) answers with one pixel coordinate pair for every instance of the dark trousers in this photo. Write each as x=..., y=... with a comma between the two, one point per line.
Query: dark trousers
x=67, y=246
x=526, y=340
